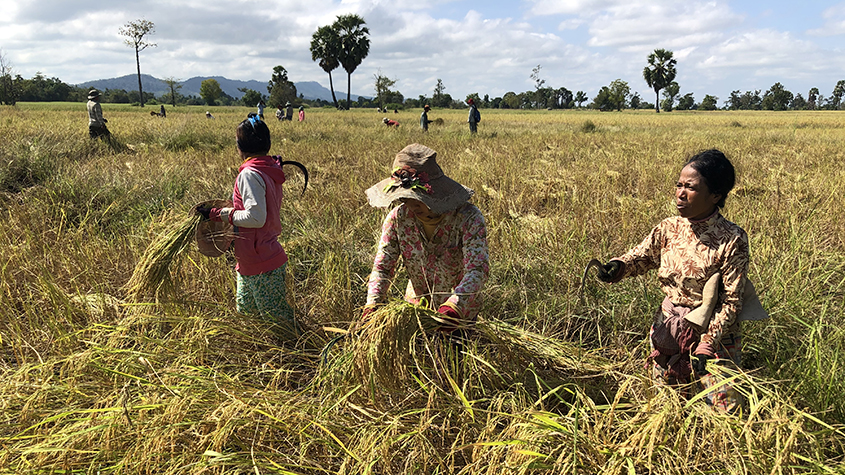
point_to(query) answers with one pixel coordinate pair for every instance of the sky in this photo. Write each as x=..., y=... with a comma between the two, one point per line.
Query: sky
x=473, y=46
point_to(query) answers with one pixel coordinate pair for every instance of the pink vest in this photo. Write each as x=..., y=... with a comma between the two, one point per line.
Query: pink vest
x=258, y=250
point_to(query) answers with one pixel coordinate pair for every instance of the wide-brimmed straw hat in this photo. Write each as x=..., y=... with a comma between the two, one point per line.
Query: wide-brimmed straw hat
x=417, y=175
x=214, y=237
x=93, y=93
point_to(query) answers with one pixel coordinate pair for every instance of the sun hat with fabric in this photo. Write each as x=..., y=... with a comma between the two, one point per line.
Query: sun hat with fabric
x=426, y=107
x=93, y=93
x=416, y=175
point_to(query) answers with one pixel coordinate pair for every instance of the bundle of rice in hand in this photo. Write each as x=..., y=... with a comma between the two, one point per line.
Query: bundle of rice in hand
x=382, y=351
x=152, y=275
x=438, y=121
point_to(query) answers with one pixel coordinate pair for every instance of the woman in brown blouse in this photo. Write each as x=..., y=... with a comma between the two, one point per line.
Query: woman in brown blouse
x=688, y=250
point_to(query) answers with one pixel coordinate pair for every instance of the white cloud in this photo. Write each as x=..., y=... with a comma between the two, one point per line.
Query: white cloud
x=834, y=22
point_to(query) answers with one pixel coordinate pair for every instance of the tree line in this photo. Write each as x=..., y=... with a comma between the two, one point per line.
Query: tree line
x=345, y=43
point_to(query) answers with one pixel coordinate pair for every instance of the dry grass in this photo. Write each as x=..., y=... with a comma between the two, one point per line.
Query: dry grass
x=545, y=382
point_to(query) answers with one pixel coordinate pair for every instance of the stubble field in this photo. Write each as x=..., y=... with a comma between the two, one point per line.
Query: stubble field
x=554, y=381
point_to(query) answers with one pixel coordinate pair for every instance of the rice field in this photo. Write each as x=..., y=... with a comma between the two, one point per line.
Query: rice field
x=103, y=374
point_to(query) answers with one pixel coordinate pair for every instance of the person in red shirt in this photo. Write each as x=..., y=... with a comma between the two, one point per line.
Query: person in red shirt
x=257, y=198
x=390, y=123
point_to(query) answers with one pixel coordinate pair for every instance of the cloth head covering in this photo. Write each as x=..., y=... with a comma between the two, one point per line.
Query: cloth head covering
x=93, y=93
x=417, y=175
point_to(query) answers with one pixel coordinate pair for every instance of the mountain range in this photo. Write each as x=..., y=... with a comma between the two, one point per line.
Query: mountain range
x=191, y=87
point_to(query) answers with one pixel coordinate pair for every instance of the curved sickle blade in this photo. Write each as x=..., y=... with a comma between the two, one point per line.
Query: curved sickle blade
x=301, y=167
x=593, y=263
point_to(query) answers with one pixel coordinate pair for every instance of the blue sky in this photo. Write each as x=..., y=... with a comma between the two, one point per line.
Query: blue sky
x=488, y=47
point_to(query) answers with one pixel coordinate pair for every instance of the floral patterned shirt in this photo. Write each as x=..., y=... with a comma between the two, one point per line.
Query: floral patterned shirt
x=448, y=269
x=686, y=254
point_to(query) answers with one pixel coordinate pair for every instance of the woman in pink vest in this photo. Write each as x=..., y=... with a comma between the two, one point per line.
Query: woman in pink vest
x=257, y=200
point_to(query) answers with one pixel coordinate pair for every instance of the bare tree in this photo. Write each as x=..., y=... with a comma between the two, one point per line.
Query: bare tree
x=174, y=86
x=7, y=84
x=135, y=31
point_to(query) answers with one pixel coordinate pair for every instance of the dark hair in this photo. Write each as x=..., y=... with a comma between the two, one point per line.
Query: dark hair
x=716, y=171
x=253, y=135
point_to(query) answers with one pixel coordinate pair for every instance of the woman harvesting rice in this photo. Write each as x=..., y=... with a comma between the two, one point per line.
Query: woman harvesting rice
x=687, y=251
x=441, y=238
x=257, y=199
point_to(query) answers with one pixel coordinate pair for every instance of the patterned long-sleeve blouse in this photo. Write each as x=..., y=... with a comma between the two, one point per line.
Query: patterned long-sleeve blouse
x=448, y=269
x=686, y=254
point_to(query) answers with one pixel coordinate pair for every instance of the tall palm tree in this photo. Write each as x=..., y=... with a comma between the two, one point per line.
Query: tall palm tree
x=324, y=47
x=354, y=42
x=660, y=72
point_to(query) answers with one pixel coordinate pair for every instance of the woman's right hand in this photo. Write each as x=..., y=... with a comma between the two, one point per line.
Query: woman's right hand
x=609, y=272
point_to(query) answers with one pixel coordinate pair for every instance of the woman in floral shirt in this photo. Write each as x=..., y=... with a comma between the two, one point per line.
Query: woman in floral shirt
x=688, y=250
x=441, y=238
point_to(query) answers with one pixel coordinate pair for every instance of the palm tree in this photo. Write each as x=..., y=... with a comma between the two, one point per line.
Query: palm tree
x=660, y=72
x=354, y=45
x=324, y=46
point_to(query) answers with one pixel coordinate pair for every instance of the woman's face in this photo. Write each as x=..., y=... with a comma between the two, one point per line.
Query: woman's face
x=418, y=208
x=692, y=197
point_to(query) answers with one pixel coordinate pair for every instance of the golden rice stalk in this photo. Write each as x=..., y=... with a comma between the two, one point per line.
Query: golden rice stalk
x=563, y=356
x=382, y=352
x=152, y=276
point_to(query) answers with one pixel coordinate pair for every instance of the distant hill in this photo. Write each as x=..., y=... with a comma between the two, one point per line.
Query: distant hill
x=191, y=87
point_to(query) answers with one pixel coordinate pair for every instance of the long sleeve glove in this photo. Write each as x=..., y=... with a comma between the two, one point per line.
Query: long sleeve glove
x=698, y=360
x=452, y=319
x=610, y=272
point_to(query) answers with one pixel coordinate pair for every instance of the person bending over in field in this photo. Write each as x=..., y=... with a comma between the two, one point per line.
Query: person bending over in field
x=440, y=236
x=257, y=199
x=390, y=122
x=688, y=251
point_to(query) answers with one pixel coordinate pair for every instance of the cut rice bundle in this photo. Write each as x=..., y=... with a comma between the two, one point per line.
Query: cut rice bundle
x=152, y=275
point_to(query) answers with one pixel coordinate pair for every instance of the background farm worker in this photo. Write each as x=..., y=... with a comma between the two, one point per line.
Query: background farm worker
x=208, y=115
x=280, y=113
x=96, y=123
x=162, y=113
x=390, y=122
x=439, y=235
x=687, y=251
x=261, y=107
x=288, y=111
x=474, y=116
x=424, y=118
x=302, y=113
x=257, y=199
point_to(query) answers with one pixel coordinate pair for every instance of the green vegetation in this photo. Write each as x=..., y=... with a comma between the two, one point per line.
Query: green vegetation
x=549, y=383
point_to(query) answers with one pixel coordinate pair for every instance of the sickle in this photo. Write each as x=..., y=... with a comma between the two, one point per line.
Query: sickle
x=301, y=167
x=593, y=263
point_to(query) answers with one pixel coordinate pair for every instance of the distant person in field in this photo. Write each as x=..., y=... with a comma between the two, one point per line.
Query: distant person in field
x=390, y=123
x=302, y=113
x=208, y=115
x=261, y=107
x=701, y=260
x=162, y=113
x=440, y=237
x=474, y=116
x=288, y=111
x=280, y=113
x=424, y=118
x=96, y=122
x=257, y=199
